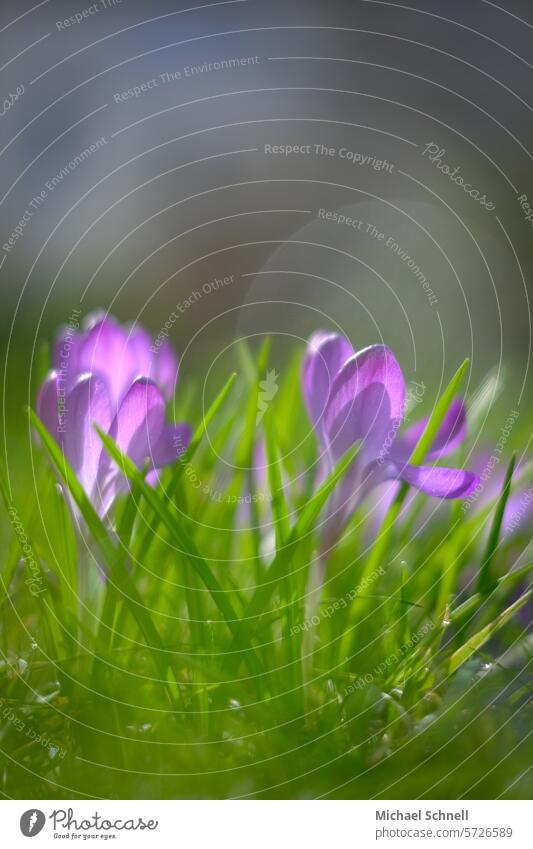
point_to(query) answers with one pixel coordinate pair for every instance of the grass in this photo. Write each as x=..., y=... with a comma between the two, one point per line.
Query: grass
x=183, y=649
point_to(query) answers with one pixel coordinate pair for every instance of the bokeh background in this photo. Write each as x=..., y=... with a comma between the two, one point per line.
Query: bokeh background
x=243, y=168
x=180, y=191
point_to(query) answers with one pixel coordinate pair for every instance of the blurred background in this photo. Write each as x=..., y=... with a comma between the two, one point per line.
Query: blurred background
x=257, y=166
x=221, y=171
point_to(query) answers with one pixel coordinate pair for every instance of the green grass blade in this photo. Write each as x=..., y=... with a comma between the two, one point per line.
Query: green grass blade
x=477, y=640
x=249, y=435
x=281, y=520
x=485, y=580
x=107, y=549
x=152, y=523
x=280, y=510
x=200, y=431
x=172, y=521
x=504, y=586
x=438, y=414
x=381, y=544
x=112, y=597
x=11, y=562
x=300, y=530
x=94, y=523
x=245, y=451
x=417, y=457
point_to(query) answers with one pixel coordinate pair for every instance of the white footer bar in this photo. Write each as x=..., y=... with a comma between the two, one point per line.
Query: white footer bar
x=268, y=824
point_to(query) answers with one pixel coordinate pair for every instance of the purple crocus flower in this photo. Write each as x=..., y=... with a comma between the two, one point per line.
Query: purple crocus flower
x=518, y=514
x=361, y=396
x=116, y=353
x=112, y=376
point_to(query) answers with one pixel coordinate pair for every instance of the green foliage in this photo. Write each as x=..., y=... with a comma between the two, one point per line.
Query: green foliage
x=192, y=644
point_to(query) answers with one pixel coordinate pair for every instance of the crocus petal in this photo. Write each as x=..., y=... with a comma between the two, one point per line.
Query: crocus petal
x=366, y=403
x=159, y=364
x=65, y=357
x=153, y=477
x=105, y=352
x=166, y=369
x=326, y=354
x=173, y=441
x=450, y=435
x=114, y=376
x=47, y=404
x=339, y=508
x=135, y=429
x=139, y=421
x=518, y=514
x=118, y=354
x=86, y=405
x=353, y=489
x=139, y=347
x=439, y=482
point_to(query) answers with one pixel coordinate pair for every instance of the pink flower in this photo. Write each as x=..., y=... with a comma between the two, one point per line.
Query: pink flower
x=361, y=396
x=112, y=376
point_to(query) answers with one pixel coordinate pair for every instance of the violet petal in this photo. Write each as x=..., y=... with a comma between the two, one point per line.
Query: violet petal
x=326, y=353
x=166, y=369
x=438, y=481
x=366, y=403
x=66, y=356
x=139, y=421
x=139, y=345
x=47, y=404
x=105, y=352
x=450, y=435
x=172, y=442
x=135, y=429
x=87, y=404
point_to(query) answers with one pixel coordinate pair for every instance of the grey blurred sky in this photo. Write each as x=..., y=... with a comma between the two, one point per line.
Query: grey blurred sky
x=181, y=189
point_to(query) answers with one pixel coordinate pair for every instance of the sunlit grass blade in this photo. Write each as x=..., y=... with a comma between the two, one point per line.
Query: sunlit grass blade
x=484, y=397
x=280, y=509
x=26, y=550
x=485, y=580
x=207, y=419
x=112, y=597
x=482, y=608
x=172, y=521
x=299, y=532
x=288, y=400
x=470, y=646
x=152, y=523
x=249, y=434
x=438, y=415
x=378, y=552
x=417, y=457
x=281, y=521
x=63, y=561
x=94, y=523
x=247, y=446
x=10, y=564
x=109, y=552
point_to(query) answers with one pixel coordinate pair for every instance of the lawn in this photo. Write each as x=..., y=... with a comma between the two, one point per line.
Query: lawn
x=239, y=626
